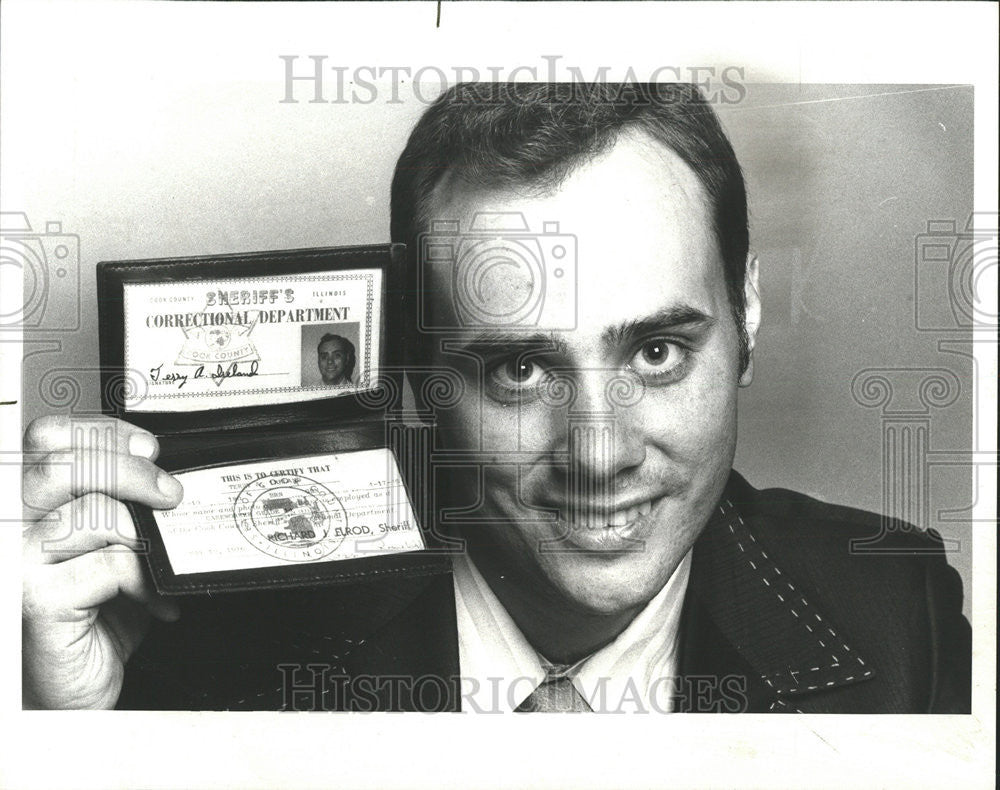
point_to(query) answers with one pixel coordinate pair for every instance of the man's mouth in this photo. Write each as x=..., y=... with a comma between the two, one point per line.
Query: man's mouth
x=601, y=518
x=623, y=529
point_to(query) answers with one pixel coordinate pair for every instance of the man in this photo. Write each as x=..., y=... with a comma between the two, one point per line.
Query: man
x=335, y=358
x=611, y=560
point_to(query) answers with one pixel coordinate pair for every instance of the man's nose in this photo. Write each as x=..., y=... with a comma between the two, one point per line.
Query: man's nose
x=604, y=435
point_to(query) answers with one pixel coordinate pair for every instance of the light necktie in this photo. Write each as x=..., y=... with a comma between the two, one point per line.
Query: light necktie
x=555, y=694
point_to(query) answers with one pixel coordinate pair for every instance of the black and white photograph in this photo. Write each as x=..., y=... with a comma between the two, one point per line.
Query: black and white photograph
x=376, y=373
x=330, y=355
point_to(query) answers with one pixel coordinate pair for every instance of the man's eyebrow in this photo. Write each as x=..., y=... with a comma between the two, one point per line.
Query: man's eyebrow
x=671, y=318
x=490, y=343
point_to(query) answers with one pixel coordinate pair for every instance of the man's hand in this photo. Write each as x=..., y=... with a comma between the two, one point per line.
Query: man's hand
x=86, y=603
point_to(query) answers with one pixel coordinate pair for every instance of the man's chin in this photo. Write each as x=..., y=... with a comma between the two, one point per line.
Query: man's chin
x=611, y=584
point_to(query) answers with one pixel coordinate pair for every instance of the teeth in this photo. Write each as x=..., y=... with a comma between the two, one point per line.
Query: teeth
x=618, y=518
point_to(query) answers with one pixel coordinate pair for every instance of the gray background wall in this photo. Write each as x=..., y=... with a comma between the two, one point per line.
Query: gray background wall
x=842, y=180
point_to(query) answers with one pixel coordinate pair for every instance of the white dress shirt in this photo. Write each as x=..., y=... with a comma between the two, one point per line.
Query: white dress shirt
x=634, y=673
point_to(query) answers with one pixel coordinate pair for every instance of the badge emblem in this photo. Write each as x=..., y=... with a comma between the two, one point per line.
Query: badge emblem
x=290, y=517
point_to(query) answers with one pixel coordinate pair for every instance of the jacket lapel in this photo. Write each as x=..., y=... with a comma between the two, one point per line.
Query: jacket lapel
x=749, y=629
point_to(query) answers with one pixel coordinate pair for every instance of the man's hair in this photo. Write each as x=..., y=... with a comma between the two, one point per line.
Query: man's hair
x=501, y=135
x=348, y=346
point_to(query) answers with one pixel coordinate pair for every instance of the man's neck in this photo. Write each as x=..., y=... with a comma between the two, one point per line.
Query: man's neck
x=559, y=631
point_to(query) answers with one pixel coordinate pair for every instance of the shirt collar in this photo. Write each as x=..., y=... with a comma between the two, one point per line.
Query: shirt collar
x=500, y=668
x=634, y=672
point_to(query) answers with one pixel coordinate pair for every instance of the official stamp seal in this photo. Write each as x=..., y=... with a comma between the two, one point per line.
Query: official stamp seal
x=290, y=517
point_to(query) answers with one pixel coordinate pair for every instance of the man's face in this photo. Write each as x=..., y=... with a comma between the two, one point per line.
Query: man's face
x=652, y=308
x=332, y=358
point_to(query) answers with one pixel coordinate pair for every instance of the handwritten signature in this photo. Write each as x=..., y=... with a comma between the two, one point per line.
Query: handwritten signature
x=218, y=375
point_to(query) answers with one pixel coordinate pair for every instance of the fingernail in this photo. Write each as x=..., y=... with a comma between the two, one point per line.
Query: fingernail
x=142, y=444
x=169, y=486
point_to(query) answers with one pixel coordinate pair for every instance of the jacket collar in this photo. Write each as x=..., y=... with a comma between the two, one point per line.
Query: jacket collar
x=744, y=613
x=744, y=619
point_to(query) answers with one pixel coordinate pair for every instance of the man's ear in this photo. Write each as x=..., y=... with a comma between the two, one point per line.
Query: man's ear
x=751, y=297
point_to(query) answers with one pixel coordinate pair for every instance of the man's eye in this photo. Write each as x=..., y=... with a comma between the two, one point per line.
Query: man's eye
x=517, y=372
x=660, y=359
x=514, y=379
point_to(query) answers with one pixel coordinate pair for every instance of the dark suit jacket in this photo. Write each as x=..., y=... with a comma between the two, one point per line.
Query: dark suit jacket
x=784, y=612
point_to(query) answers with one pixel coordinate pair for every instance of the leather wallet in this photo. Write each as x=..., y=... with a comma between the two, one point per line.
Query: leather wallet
x=273, y=382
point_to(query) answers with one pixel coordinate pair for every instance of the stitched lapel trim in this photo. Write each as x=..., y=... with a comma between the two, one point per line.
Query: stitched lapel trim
x=764, y=614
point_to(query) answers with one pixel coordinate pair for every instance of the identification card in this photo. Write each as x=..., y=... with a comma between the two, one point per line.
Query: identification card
x=320, y=508
x=249, y=341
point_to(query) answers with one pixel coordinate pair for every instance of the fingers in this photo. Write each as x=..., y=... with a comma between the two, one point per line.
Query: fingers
x=59, y=477
x=69, y=590
x=91, y=522
x=54, y=433
x=98, y=531
x=98, y=576
x=68, y=457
